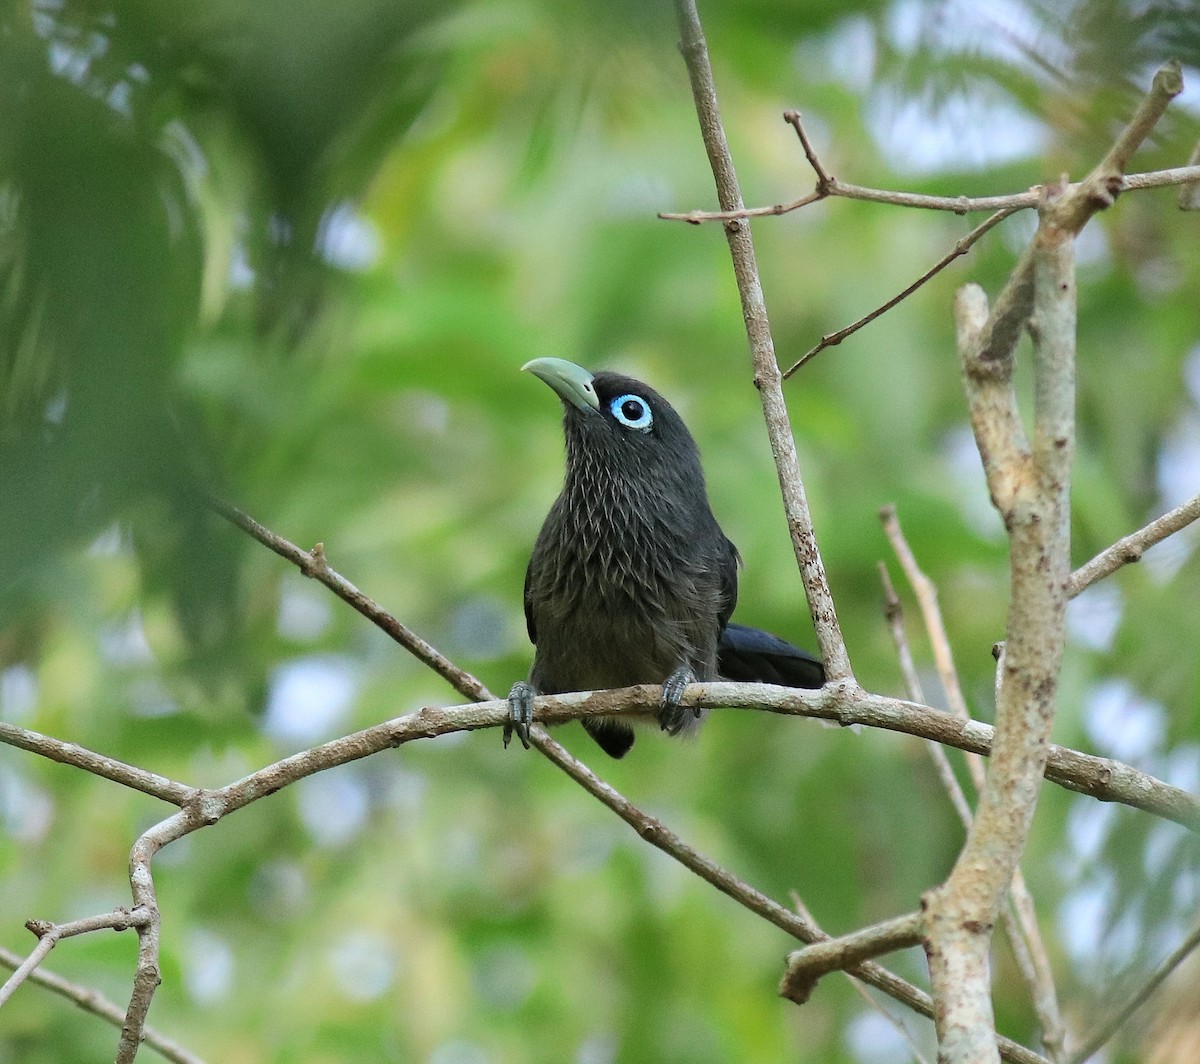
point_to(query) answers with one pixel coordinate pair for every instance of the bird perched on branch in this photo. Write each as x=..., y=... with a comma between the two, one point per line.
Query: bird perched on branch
x=631, y=579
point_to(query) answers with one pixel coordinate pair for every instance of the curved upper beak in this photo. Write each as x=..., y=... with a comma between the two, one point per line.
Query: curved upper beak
x=572, y=383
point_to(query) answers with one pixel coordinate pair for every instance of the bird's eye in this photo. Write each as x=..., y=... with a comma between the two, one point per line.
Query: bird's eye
x=632, y=411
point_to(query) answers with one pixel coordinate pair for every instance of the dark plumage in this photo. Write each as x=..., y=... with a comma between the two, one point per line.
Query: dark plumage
x=631, y=579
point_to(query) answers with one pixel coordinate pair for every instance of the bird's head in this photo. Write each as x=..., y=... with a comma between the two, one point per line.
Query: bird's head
x=617, y=424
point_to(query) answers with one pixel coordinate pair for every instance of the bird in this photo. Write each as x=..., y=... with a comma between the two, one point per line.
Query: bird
x=631, y=579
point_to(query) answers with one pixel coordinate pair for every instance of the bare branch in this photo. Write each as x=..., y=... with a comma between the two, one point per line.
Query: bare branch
x=98, y=1005
x=960, y=248
x=313, y=563
x=935, y=628
x=872, y=1002
x=1100, y=188
x=1132, y=547
x=824, y=178
x=1167, y=84
x=1107, y=179
x=1102, y=778
x=961, y=912
x=766, y=369
x=109, y=767
x=894, y=612
x=49, y=935
x=657, y=834
x=699, y=217
x=1187, y=177
x=806, y=966
x=920, y=201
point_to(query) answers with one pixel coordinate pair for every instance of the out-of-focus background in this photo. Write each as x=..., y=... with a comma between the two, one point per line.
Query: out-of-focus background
x=296, y=253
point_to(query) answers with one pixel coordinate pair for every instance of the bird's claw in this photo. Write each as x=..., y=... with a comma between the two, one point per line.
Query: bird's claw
x=520, y=713
x=672, y=716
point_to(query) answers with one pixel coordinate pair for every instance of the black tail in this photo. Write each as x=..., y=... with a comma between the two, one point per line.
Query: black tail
x=614, y=737
x=755, y=656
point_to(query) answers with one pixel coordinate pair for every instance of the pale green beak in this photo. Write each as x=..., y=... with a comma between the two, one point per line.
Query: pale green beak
x=572, y=383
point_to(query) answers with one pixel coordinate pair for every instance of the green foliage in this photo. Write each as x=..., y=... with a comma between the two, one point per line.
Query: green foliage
x=295, y=254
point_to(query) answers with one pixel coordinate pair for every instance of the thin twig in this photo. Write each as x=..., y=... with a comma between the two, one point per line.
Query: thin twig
x=109, y=767
x=1186, y=176
x=960, y=248
x=773, y=210
x=98, y=1005
x=829, y=186
x=935, y=628
x=659, y=835
x=824, y=178
x=1132, y=547
x=1110, y=1027
x=894, y=613
x=312, y=563
x=27, y=967
x=767, y=377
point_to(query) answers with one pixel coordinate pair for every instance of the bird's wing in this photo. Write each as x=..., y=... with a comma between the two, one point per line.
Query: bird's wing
x=529, y=625
x=730, y=564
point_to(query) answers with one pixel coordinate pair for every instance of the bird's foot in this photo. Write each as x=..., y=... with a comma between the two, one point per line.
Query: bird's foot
x=672, y=716
x=520, y=713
